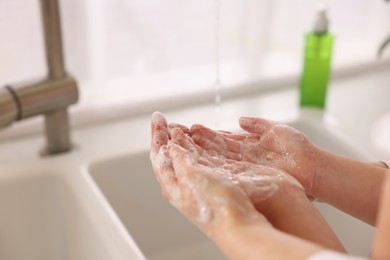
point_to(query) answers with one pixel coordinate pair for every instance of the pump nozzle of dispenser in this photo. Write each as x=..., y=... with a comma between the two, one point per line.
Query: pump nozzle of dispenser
x=321, y=21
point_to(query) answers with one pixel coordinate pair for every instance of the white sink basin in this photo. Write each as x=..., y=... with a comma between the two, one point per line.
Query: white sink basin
x=161, y=232
x=44, y=217
x=32, y=220
x=158, y=228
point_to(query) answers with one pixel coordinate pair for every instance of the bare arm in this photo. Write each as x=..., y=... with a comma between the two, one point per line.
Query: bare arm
x=255, y=241
x=381, y=248
x=352, y=186
x=292, y=212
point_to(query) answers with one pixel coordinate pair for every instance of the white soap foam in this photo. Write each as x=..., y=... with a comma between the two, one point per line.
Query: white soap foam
x=257, y=187
x=162, y=159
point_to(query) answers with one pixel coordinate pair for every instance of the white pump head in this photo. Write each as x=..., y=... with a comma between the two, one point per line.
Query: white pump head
x=321, y=22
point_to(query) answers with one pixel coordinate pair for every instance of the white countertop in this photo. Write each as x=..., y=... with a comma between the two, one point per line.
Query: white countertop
x=355, y=103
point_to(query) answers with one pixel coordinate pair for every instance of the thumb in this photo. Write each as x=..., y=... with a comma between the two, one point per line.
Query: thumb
x=256, y=125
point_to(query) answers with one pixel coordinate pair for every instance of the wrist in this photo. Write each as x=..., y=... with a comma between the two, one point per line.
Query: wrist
x=236, y=233
x=279, y=206
x=254, y=240
x=230, y=219
x=321, y=162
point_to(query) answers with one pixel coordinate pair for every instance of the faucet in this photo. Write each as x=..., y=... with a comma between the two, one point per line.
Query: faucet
x=49, y=97
x=384, y=44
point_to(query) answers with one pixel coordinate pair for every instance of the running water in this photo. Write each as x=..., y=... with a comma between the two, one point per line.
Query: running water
x=217, y=84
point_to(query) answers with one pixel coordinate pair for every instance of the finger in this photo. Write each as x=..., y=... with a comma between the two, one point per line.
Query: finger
x=256, y=125
x=163, y=169
x=234, y=136
x=225, y=132
x=211, y=161
x=160, y=137
x=207, y=139
x=160, y=134
x=185, y=129
x=182, y=161
x=203, y=157
x=210, y=146
x=184, y=141
x=212, y=140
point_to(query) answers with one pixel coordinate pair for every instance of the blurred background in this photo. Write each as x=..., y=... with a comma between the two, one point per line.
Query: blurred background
x=130, y=50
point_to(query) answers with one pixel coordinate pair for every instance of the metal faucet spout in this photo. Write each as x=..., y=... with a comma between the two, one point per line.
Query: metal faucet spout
x=49, y=97
x=8, y=107
x=51, y=22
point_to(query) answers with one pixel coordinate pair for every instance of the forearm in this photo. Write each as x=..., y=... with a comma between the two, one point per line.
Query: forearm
x=253, y=240
x=381, y=244
x=292, y=212
x=352, y=186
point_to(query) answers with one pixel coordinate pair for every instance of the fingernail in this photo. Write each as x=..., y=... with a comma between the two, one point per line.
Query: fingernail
x=196, y=127
x=157, y=116
x=245, y=119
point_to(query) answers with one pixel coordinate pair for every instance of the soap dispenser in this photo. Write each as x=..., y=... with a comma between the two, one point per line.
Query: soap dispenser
x=317, y=59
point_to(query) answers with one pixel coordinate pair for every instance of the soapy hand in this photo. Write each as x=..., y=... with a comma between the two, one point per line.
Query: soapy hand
x=203, y=184
x=223, y=194
x=208, y=199
x=266, y=143
x=260, y=183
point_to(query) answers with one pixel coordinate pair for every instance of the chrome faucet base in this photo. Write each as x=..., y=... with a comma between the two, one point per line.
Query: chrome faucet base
x=8, y=107
x=57, y=132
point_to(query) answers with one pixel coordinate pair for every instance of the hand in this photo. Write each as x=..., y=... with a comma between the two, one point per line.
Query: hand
x=266, y=142
x=274, y=193
x=208, y=199
x=260, y=182
x=221, y=195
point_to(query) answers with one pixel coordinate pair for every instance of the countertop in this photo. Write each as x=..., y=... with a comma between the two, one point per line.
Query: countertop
x=355, y=104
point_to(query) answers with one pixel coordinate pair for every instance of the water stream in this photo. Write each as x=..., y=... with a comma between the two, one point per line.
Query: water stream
x=217, y=83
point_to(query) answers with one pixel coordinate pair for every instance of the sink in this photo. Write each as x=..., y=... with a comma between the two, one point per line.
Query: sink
x=44, y=217
x=31, y=219
x=161, y=232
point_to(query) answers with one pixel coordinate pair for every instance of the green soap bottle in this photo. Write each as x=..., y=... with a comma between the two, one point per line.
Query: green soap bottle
x=316, y=68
